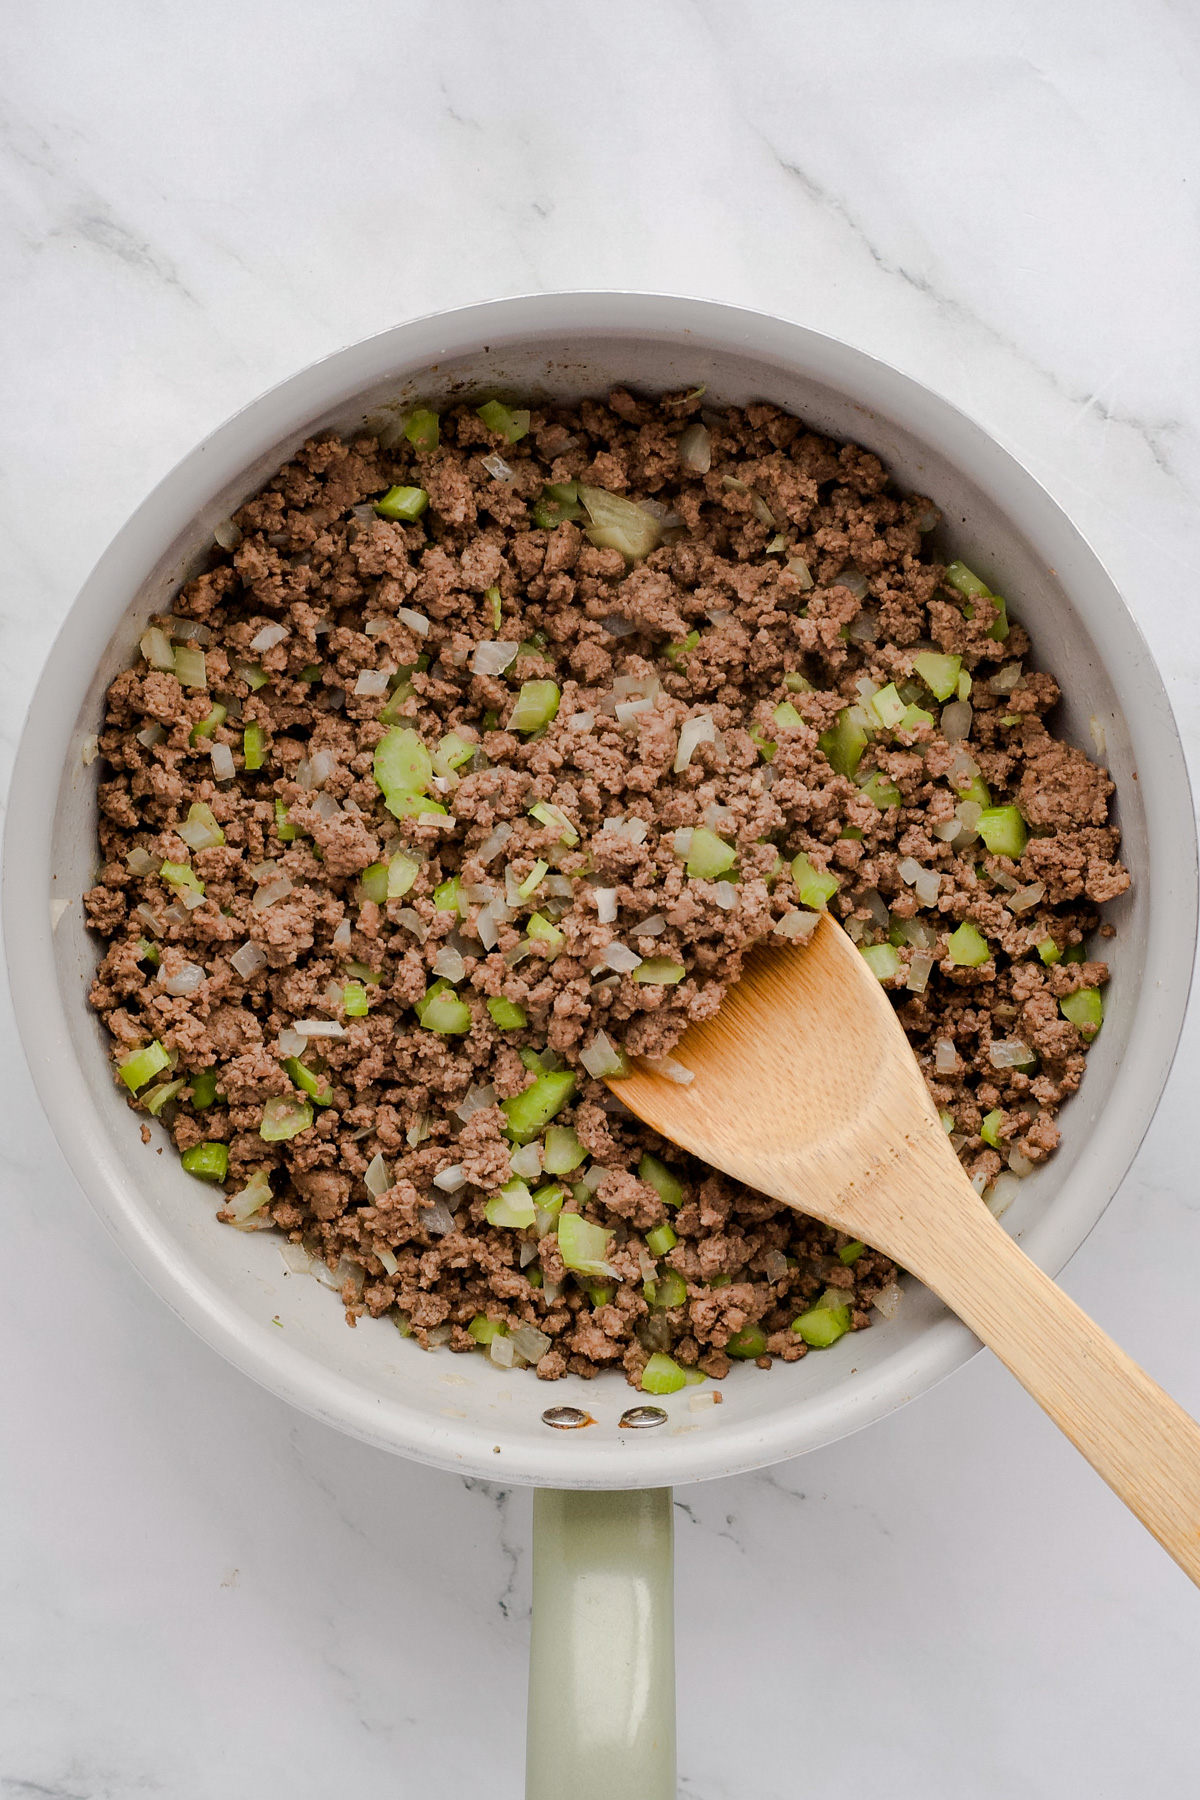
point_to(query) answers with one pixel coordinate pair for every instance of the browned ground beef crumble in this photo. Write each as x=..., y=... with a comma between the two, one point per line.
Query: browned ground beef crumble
x=314, y=557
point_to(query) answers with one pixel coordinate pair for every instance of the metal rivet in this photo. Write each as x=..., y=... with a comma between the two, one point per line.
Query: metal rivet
x=641, y=1418
x=566, y=1418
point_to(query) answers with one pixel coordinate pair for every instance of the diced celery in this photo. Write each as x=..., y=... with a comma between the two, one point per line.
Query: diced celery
x=976, y=789
x=662, y=1375
x=1075, y=953
x=767, y=747
x=749, y=1342
x=451, y=753
x=556, y=819
x=599, y=1292
x=852, y=834
x=148, y=952
x=583, y=1246
x=446, y=1014
x=191, y=668
x=999, y=628
x=966, y=947
x=887, y=706
x=512, y=1207
x=318, y=1088
x=200, y=814
x=395, y=707
x=1085, y=1009
x=527, y=888
x=404, y=803
x=796, y=683
x=537, y=704
x=1003, y=830
x=204, y=1089
x=660, y=1240
x=850, y=1253
x=562, y=1150
x=157, y=1098
x=914, y=718
x=492, y=596
x=843, y=744
x=402, y=763
x=939, y=673
x=253, y=676
x=676, y=652
x=989, y=1131
x=207, y=728
x=533, y=1108
x=558, y=503
x=664, y=1181
x=549, y=1198
x=882, y=790
x=883, y=960
x=311, y=673
x=402, y=871
x=283, y=1117
x=373, y=883
x=208, y=1161
x=445, y=895
x=254, y=747
x=666, y=1290
x=364, y=972
x=483, y=1329
x=660, y=971
x=422, y=430
x=822, y=1325
x=963, y=690
x=948, y=1121
x=283, y=830
x=402, y=503
x=179, y=875
x=138, y=1068
x=542, y=931
x=958, y=576
x=786, y=716
x=507, y=1014
x=507, y=424
x=709, y=856
x=354, y=1000
x=815, y=887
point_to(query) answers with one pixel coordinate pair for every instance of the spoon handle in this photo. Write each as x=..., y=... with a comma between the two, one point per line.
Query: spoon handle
x=1143, y=1444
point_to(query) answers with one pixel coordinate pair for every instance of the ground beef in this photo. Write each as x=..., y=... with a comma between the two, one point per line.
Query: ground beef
x=246, y=911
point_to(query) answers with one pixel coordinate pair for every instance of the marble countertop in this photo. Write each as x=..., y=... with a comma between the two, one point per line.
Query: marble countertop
x=202, y=1592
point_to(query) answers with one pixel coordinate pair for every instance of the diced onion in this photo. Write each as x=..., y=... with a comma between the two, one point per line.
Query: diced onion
x=155, y=646
x=248, y=960
x=412, y=921
x=450, y=1179
x=800, y=570
x=449, y=964
x=1002, y=1193
x=478, y=1099
x=320, y=1028
x=927, y=887
x=621, y=958
x=601, y=1057
x=390, y=1265
x=529, y=1342
x=291, y=1043
x=497, y=467
x=372, y=683
x=140, y=862
x=908, y=870
x=222, y=762
x=527, y=1162
x=418, y=1131
x=853, y=580
x=186, y=979
x=1008, y=1053
x=619, y=524
x=695, y=450
x=581, y=721
x=629, y=711
x=887, y=1300
x=672, y=1070
x=945, y=1057
x=653, y=926
x=268, y=637
x=1006, y=680
x=378, y=1176
x=414, y=620
x=956, y=721
x=1020, y=1165
x=919, y=970
x=798, y=926
x=501, y=1352
x=606, y=900
x=275, y=890
x=695, y=731
x=1026, y=897
x=151, y=735
x=494, y=841
x=227, y=534
x=492, y=657
x=725, y=894
x=437, y=1219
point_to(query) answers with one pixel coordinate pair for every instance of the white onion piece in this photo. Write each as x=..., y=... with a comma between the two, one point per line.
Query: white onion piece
x=775, y=1265
x=674, y=1071
x=695, y=450
x=413, y=922
x=581, y=721
x=699, y=730
x=654, y=926
x=681, y=841
x=501, y=1352
x=964, y=767
x=619, y=524
x=450, y=1179
x=140, y=862
x=496, y=466
x=798, y=926
x=945, y=1057
x=946, y=830
x=801, y=571
x=341, y=937
x=1008, y=1053
x=190, y=901
x=155, y=646
x=927, y=887
x=227, y=534
x=261, y=870
x=629, y=711
x=478, y=1099
x=908, y=870
x=378, y=1176
x=887, y=1300
x=151, y=735
x=725, y=894
x=326, y=807
x=601, y=1057
x=1003, y=1191
x=485, y=925
x=320, y=1028
x=494, y=841
x=1026, y=897
x=853, y=581
x=414, y=620
x=1099, y=737
x=527, y=1162
x=275, y=890
x=1020, y=1165
x=418, y=1131
x=268, y=637
x=956, y=722
x=1006, y=680
x=437, y=1218
x=185, y=980
x=529, y=1342
x=618, y=627
x=493, y=656
x=296, y=1258
x=248, y=960
x=291, y=1043
x=372, y=684
x=528, y=1252
x=390, y=1265
x=716, y=615
x=621, y=958
x=222, y=762
x=149, y=919
x=606, y=901
x=449, y=964
x=919, y=970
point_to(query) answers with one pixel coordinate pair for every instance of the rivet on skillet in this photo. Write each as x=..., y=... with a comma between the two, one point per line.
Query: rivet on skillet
x=642, y=1418
x=566, y=1418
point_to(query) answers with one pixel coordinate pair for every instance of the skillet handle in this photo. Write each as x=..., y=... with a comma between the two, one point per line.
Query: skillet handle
x=602, y=1651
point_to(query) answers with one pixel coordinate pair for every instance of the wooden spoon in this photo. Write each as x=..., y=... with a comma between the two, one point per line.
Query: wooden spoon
x=805, y=1088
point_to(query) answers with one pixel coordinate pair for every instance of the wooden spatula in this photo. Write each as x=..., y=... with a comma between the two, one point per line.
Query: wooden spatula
x=805, y=1088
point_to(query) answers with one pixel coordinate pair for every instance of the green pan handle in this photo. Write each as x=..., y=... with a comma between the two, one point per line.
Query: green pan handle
x=602, y=1655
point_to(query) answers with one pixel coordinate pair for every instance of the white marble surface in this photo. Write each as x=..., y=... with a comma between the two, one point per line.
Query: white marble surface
x=203, y=1593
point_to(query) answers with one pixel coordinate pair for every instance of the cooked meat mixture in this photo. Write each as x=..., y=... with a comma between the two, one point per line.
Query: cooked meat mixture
x=475, y=762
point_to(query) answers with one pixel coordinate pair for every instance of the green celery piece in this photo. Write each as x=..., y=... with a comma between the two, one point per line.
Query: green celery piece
x=676, y=652
x=662, y=1375
x=157, y=1098
x=138, y=1068
x=977, y=790
x=1003, y=830
x=283, y=831
x=749, y=1342
x=850, y=1253
x=562, y=1150
x=542, y=931
x=512, y=1207
x=483, y=1329
x=843, y=744
x=666, y=1184
x=511, y=426
x=822, y=1325
x=882, y=790
x=939, y=673
x=402, y=871
x=373, y=883
x=1085, y=1009
x=208, y=1161
x=796, y=683
x=852, y=834
x=914, y=718
x=311, y=672
x=669, y=1289
x=989, y=1131
x=446, y=1014
x=204, y=1089
x=319, y=1092
x=966, y=947
x=963, y=691
x=179, y=875
x=767, y=747
x=599, y=1292
x=507, y=1014
x=451, y=753
x=554, y=509
x=1000, y=627
x=364, y=972
x=355, y=1004
x=555, y=819
x=254, y=747
x=549, y=1197
x=537, y=704
x=199, y=813
x=533, y=880
x=422, y=430
x=660, y=971
x=284, y=1116
x=402, y=763
x=709, y=855
x=395, y=707
x=815, y=887
x=786, y=716
x=584, y=1246
x=191, y=666
x=948, y=1121
x=533, y=1108
x=207, y=728
x=404, y=803
x=887, y=706
x=660, y=1240
x=883, y=960
x=148, y=952
x=959, y=577
x=1075, y=953
x=492, y=596
x=445, y=895
x=253, y=676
